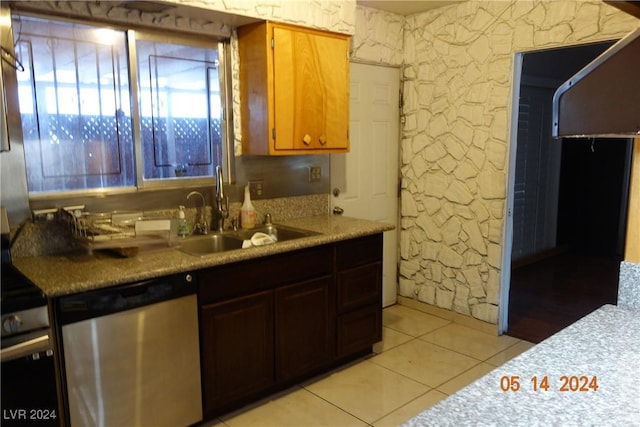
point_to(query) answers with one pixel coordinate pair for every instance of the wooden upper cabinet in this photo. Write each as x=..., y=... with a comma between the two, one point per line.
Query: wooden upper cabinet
x=294, y=88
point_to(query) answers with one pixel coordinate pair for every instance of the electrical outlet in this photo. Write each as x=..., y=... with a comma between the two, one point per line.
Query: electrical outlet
x=315, y=173
x=256, y=188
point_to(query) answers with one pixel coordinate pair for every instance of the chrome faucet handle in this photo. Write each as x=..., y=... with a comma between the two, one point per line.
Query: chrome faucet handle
x=219, y=184
x=200, y=227
x=225, y=208
x=225, y=212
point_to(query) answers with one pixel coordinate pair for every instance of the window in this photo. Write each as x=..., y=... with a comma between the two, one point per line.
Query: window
x=180, y=110
x=91, y=121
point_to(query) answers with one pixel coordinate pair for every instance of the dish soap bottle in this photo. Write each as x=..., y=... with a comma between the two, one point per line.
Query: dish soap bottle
x=183, y=226
x=247, y=211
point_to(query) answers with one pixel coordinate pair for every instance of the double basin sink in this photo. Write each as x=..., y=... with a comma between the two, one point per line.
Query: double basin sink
x=232, y=240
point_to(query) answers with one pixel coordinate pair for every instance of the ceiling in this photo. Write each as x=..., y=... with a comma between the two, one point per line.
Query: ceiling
x=406, y=8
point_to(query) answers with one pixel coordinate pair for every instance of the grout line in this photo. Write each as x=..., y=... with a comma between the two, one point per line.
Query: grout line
x=407, y=403
x=338, y=407
x=412, y=336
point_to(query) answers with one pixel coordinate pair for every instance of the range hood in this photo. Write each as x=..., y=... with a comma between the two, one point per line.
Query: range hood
x=603, y=99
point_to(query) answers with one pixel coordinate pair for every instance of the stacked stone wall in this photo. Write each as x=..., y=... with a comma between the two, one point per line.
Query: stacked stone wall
x=458, y=79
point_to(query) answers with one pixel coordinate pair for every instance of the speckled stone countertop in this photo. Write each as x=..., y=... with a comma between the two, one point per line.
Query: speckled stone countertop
x=75, y=272
x=605, y=344
x=629, y=286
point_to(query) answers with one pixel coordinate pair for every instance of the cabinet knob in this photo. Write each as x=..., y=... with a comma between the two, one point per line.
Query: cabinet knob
x=188, y=278
x=322, y=140
x=306, y=139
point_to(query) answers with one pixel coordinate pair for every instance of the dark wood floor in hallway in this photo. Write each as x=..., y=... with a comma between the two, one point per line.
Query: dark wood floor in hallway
x=549, y=295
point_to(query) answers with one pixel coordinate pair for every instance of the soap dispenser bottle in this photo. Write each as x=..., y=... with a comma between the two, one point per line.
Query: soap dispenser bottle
x=183, y=226
x=247, y=211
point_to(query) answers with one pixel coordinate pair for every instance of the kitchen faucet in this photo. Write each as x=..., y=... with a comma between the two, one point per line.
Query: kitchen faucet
x=221, y=209
x=200, y=227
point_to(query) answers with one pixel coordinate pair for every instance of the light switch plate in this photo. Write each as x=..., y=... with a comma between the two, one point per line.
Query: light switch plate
x=256, y=188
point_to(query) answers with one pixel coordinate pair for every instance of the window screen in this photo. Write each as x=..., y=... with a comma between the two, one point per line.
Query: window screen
x=77, y=112
x=74, y=105
x=180, y=109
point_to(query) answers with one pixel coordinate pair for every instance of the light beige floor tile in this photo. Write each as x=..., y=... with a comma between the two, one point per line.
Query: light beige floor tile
x=297, y=408
x=425, y=362
x=511, y=352
x=466, y=378
x=390, y=338
x=469, y=341
x=411, y=409
x=367, y=391
x=409, y=321
x=213, y=423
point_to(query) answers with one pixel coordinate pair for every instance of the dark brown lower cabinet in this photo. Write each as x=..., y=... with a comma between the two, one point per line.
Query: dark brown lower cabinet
x=359, y=330
x=359, y=294
x=272, y=321
x=237, y=348
x=303, y=328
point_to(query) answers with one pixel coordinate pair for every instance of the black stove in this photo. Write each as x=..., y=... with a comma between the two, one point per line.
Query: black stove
x=26, y=352
x=18, y=293
x=23, y=306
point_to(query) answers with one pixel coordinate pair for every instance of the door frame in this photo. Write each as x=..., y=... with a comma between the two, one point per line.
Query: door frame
x=507, y=243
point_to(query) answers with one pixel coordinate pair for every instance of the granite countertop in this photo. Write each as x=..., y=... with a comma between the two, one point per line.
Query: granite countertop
x=75, y=272
x=603, y=345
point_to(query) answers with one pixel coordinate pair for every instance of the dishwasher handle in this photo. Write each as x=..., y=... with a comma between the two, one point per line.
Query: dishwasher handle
x=92, y=304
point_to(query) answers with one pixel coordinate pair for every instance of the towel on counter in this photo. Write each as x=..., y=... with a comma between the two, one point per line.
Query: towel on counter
x=259, y=239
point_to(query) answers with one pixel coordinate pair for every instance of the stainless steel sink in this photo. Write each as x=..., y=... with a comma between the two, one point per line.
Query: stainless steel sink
x=281, y=232
x=209, y=244
x=231, y=240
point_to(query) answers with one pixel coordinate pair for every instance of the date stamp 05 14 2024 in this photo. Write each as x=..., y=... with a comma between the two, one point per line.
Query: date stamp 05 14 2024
x=566, y=383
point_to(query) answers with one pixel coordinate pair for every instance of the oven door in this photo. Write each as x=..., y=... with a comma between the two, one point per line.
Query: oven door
x=29, y=395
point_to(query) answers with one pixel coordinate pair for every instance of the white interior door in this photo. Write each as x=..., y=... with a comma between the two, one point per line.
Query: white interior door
x=365, y=181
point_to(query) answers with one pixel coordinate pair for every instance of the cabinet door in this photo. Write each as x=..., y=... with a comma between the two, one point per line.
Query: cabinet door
x=311, y=89
x=237, y=349
x=304, y=338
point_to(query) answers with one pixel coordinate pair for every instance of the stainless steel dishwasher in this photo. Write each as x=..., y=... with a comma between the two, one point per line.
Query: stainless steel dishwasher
x=130, y=354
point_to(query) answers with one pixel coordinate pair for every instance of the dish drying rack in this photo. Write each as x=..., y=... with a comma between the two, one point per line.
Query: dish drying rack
x=117, y=230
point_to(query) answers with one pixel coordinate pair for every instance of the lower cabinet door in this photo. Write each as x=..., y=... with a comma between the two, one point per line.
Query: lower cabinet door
x=304, y=330
x=359, y=330
x=237, y=349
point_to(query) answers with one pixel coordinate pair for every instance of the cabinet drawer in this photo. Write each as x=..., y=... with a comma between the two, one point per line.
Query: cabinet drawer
x=264, y=273
x=359, y=286
x=363, y=250
x=359, y=330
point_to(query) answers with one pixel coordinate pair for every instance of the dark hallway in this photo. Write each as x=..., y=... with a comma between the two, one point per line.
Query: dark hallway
x=570, y=203
x=581, y=273
x=551, y=294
